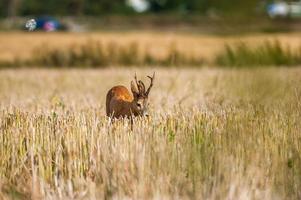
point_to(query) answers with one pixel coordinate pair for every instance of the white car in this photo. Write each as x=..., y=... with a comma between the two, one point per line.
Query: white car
x=284, y=9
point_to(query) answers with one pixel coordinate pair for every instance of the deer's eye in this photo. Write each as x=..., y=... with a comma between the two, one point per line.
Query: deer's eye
x=138, y=105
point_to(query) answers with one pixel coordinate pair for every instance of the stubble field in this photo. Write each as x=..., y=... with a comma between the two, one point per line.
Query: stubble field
x=213, y=134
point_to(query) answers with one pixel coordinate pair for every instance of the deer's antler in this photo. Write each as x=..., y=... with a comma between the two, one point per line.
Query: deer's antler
x=135, y=77
x=151, y=83
x=141, y=87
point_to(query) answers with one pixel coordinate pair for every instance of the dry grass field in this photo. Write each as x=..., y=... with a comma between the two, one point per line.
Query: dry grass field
x=213, y=133
x=22, y=45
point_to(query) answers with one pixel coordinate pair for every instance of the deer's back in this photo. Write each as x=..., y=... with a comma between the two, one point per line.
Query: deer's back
x=118, y=101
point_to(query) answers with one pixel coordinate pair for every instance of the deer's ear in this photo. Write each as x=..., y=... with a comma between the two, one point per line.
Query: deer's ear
x=134, y=89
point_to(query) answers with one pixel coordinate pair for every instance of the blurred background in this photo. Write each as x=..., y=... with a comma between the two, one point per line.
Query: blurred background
x=149, y=32
x=205, y=15
x=202, y=15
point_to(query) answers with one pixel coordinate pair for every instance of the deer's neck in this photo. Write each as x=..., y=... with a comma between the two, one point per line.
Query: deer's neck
x=133, y=108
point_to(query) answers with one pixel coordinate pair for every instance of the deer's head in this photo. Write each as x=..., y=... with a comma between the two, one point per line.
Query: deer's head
x=140, y=102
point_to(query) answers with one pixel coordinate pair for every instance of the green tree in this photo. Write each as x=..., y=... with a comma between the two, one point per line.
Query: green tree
x=76, y=7
x=99, y=7
x=11, y=7
x=95, y=7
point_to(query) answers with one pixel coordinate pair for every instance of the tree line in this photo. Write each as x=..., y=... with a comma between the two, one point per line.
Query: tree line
x=99, y=7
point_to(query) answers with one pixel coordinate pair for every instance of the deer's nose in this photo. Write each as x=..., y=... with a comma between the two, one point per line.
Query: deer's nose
x=139, y=105
x=145, y=113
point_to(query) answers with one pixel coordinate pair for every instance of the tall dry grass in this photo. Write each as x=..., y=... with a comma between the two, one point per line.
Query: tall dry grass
x=97, y=54
x=20, y=45
x=214, y=134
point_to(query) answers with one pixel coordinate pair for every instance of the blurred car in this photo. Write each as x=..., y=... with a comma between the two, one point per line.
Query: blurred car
x=139, y=5
x=283, y=9
x=49, y=24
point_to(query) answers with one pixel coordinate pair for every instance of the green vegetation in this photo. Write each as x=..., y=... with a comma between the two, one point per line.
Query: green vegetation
x=95, y=7
x=267, y=54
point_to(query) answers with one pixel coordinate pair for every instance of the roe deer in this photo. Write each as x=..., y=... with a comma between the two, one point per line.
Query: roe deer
x=121, y=103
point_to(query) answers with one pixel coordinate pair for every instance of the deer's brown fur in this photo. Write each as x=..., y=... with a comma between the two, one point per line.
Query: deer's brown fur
x=121, y=103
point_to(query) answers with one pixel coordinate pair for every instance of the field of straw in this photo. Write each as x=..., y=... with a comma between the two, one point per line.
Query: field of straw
x=213, y=134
